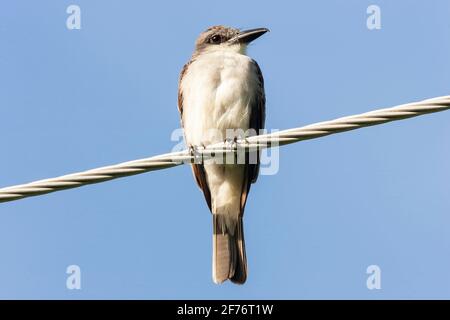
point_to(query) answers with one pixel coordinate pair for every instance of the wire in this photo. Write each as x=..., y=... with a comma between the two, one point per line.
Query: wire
x=275, y=139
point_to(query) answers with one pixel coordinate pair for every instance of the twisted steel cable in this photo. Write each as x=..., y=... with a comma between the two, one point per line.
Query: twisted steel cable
x=279, y=138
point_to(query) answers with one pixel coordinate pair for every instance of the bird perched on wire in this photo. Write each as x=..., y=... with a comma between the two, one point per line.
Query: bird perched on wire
x=222, y=89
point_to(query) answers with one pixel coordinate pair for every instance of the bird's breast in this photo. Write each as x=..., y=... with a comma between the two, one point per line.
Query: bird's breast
x=217, y=92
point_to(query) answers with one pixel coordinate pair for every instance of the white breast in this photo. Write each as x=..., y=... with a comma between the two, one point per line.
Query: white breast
x=218, y=88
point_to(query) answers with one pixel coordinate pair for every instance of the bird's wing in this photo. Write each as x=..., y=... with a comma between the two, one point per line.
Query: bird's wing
x=180, y=92
x=197, y=169
x=257, y=119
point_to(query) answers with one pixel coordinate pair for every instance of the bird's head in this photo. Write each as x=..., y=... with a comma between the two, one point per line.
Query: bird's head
x=218, y=38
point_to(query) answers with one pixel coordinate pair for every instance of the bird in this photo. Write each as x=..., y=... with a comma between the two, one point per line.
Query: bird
x=221, y=89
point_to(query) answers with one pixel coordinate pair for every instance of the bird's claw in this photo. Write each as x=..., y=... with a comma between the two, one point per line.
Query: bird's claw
x=230, y=146
x=196, y=154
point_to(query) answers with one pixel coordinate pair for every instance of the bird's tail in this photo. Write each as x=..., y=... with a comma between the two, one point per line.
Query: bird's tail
x=229, y=259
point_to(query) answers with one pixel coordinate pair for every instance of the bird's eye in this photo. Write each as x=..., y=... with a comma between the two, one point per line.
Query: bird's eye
x=215, y=39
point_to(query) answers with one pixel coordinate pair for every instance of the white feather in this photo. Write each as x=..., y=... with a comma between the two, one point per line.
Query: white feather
x=218, y=89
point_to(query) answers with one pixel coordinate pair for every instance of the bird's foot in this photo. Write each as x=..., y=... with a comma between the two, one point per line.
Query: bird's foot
x=195, y=153
x=230, y=146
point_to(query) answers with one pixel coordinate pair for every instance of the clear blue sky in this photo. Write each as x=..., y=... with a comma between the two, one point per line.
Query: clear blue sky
x=72, y=100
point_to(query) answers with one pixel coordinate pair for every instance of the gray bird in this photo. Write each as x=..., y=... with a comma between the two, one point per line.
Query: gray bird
x=222, y=88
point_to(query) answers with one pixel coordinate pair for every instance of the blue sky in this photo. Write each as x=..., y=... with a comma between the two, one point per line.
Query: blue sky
x=72, y=100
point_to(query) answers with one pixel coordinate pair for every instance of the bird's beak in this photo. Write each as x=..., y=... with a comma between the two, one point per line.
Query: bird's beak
x=247, y=36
